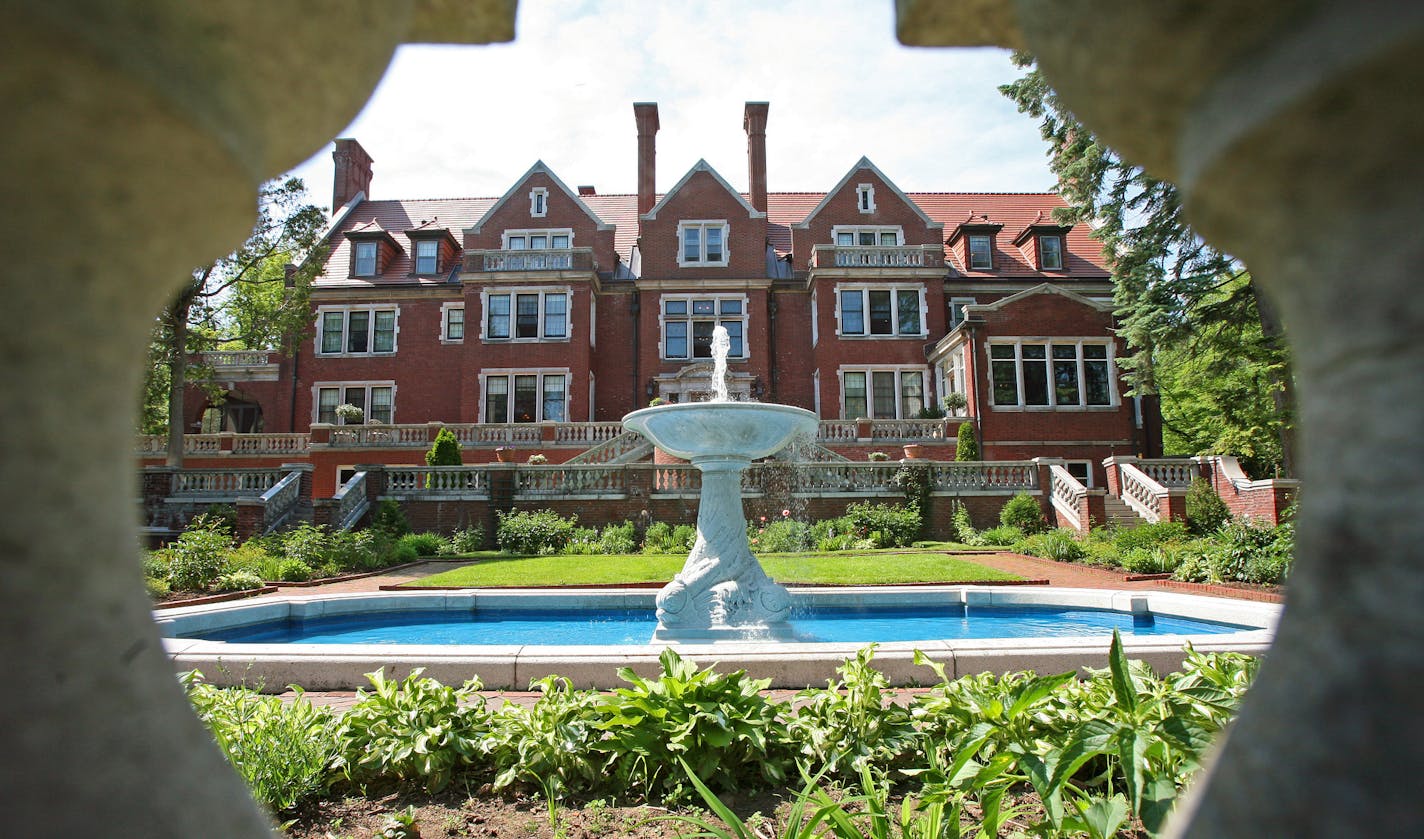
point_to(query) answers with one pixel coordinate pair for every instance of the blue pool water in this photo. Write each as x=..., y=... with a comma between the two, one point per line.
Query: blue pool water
x=851, y=625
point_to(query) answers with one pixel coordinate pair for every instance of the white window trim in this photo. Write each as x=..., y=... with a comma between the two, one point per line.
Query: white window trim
x=1062, y=256
x=719, y=317
x=510, y=373
x=513, y=292
x=925, y=384
x=704, y=224
x=877, y=229
x=1089, y=464
x=956, y=305
x=551, y=232
x=969, y=251
x=893, y=288
x=815, y=327
x=367, y=384
x=415, y=257
x=346, y=310
x=535, y=210
x=1114, y=398
x=375, y=262
x=445, y=323
x=816, y=390
x=865, y=198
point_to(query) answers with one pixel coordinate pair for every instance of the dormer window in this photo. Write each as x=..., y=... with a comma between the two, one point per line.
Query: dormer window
x=981, y=252
x=865, y=198
x=427, y=256
x=1050, y=252
x=539, y=202
x=365, y=259
x=702, y=243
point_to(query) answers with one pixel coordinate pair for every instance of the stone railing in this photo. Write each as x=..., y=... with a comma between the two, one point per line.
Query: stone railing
x=1067, y=495
x=677, y=479
x=872, y=256
x=850, y=477
x=837, y=431
x=1141, y=492
x=624, y=445
x=566, y=259
x=271, y=443
x=280, y=502
x=351, y=502
x=586, y=433
x=1170, y=472
x=237, y=358
x=970, y=476
x=438, y=480
x=910, y=429
x=225, y=483
x=380, y=436
x=569, y=481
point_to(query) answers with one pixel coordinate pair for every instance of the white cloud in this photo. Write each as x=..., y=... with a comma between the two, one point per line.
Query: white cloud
x=462, y=121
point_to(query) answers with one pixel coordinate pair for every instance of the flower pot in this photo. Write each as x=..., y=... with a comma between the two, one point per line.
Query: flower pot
x=504, y=454
x=914, y=451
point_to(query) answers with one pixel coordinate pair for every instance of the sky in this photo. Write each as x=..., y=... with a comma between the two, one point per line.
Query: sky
x=465, y=121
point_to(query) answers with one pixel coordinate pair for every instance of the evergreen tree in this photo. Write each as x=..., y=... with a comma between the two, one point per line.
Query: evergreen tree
x=445, y=451
x=967, y=447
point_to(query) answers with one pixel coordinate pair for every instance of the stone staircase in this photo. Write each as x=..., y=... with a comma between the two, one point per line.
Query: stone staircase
x=1119, y=514
x=628, y=447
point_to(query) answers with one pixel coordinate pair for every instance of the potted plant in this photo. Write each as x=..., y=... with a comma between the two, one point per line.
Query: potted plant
x=914, y=451
x=954, y=403
x=504, y=454
x=537, y=459
x=877, y=456
x=350, y=414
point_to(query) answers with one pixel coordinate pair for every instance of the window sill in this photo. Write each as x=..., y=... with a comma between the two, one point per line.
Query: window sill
x=456, y=341
x=1038, y=409
x=356, y=354
x=563, y=340
x=857, y=337
x=702, y=264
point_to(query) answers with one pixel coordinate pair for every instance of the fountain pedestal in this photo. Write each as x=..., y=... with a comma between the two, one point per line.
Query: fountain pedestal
x=722, y=593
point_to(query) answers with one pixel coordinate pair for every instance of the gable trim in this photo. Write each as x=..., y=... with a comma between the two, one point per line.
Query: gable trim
x=864, y=163
x=1041, y=288
x=703, y=166
x=539, y=167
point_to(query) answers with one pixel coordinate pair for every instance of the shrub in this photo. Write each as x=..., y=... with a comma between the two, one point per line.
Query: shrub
x=784, y=536
x=155, y=563
x=1101, y=553
x=445, y=450
x=237, y=581
x=954, y=402
x=252, y=556
x=582, y=541
x=1205, y=509
x=468, y=540
x=350, y=414
x=657, y=539
x=156, y=587
x=288, y=570
x=307, y=543
x=1251, y=552
x=542, y=532
x=618, y=539
x=1023, y=512
x=683, y=537
x=966, y=446
x=537, y=459
x=425, y=544
x=916, y=481
x=390, y=519
x=282, y=750
x=1157, y=559
x=1059, y=544
x=1149, y=535
x=221, y=515
x=1002, y=535
x=964, y=526
x=361, y=551
x=885, y=525
x=198, y=557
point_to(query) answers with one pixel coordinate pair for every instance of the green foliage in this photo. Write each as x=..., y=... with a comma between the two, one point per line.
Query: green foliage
x=1157, y=559
x=1243, y=551
x=156, y=587
x=1060, y=544
x=851, y=725
x=541, y=532
x=916, y=481
x=415, y=731
x=663, y=538
x=290, y=571
x=445, y=451
x=884, y=525
x=425, y=544
x=966, y=445
x=1001, y=535
x=964, y=527
x=390, y=519
x=1023, y=511
x=618, y=539
x=721, y=725
x=1149, y=535
x=468, y=540
x=1205, y=509
x=400, y=825
x=553, y=740
x=199, y=556
x=781, y=536
x=282, y=750
x=237, y=581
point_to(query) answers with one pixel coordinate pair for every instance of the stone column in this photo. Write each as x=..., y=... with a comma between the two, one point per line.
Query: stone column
x=136, y=137
x=1295, y=132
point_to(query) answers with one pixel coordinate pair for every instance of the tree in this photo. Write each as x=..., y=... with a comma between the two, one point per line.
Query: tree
x=445, y=451
x=246, y=300
x=1172, y=289
x=966, y=446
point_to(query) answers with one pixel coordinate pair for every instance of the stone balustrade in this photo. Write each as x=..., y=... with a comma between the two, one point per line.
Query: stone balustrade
x=564, y=259
x=224, y=484
x=237, y=358
x=873, y=256
x=351, y=502
x=1171, y=472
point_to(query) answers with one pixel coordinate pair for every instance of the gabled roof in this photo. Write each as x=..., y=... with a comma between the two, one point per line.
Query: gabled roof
x=704, y=166
x=539, y=167
x=864, y=163
x=373, y=230
x=1040, y=223
x=1041, y=288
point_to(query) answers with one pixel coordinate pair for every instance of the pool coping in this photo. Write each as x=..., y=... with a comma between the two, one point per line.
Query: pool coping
x=272, y=667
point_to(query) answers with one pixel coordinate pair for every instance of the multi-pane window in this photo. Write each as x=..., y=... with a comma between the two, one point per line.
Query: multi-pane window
x=882, y=394
x=537, y=240
x=532, y=396
x=356, y=331
x=872, y=310
x=885, y=237
x=956, y=310
x=427, y=256
x=376, y=401
x=1050, y=253
x=702, y=243
x=365, y=259
x=981, y=252
x=1065, y=374
x=453, y=328
x=527, y=315
x=688, y=323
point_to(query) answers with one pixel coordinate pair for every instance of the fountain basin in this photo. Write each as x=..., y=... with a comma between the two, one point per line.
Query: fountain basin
x=789, y=664
x=698, y=430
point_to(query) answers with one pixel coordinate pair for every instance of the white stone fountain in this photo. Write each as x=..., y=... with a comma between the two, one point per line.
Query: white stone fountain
x=722, y=591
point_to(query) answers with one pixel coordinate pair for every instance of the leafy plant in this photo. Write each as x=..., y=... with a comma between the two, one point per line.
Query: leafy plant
x=1003, y=535
x=916, y=481
x=1205, y=509
x=400, y=825
x=1023, y=511
x=468, y=540
x=783, y=536
x=1059, y=544
x=425, y=544
x=237, y=581
x=553, y=739
x=878, y=457
x=411, y=731
x=851, y=725
x=444, y=450
x=966, y=444
x=537, y=459
x=282, y=750
x=199, y=556
x=542, y=532
x=885, y=525
x=350, y=414
x=618, y=539
x=954, y=402
x=964, y=526
x=390, y=519
x=1149, y=535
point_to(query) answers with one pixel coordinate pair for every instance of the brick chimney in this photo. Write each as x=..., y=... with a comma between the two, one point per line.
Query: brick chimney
x=647, y=115
x=353, y=172
x=754, y=122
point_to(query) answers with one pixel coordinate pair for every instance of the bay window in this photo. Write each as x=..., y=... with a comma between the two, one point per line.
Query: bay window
x=1064, y=373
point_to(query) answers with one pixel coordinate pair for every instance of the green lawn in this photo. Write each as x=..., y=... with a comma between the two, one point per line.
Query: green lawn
x=878, y=567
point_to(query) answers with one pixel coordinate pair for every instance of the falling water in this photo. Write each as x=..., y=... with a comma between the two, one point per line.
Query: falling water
x=721, y=345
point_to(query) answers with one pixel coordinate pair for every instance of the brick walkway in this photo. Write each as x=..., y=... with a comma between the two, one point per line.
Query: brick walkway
x=1058, y=574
